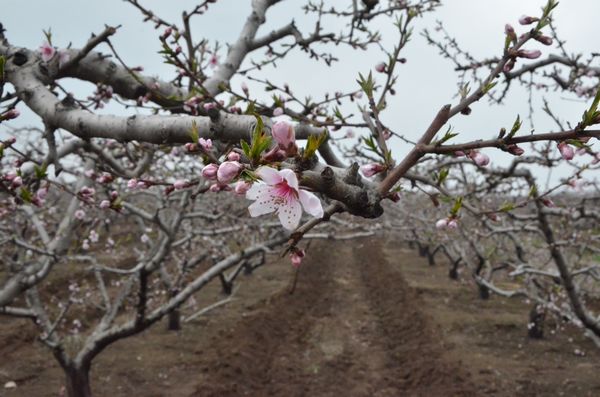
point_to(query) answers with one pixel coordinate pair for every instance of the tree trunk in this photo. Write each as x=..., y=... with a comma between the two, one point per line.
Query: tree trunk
x=174, y=320
x=78, y=381
x=537, y=316
x=484, y=292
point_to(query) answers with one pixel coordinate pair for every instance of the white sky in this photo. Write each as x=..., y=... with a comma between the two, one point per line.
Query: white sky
x=426, y=83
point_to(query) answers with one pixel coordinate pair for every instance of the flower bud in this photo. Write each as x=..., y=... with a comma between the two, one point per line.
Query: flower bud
x=369, y=170
x=566, y=151
x=278, y=111
x=228, y=171
x=510, y=32
x=241, y=187
x=233, y=156
x=179, y=184
x=296, y=257
x=527, y=20
x=479, y=158
x=529, y=54
x=380, y=67
x=104, y=204
x=205, y=143
x=210, y=171
x=283, y=133
x=545, y=40
x=515, y=150
x=441, y=224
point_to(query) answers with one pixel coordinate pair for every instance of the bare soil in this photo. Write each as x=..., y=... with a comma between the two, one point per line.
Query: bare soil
x=366, y=318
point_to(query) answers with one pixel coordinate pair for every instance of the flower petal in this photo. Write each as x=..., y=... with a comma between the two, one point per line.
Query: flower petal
x=264, y=204
x=269, y=175
x=311, y=203
x=256, y=190
x=290, y=214
x=290, y=178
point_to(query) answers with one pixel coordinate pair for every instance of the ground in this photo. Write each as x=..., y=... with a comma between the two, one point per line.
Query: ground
x=367, y=318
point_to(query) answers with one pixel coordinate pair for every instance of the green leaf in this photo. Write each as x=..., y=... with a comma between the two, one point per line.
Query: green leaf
x=25, y=194
x=367, y=85
x=442, y=175
x=488, y=87
x=533, y=192
x=194, y=132
x=313, y=144
x=507, y=207
x=245, y=148
x=457, y=206
x=516, y=126
x=40, y=172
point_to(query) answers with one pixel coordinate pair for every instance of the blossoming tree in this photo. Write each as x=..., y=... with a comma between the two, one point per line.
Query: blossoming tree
x=198, y=168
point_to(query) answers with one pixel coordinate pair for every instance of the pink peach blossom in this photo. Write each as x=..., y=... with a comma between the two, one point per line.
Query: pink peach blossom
x=280, y=193
x=47, y=51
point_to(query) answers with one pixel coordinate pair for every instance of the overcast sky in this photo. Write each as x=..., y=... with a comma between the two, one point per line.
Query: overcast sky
x=426, y=82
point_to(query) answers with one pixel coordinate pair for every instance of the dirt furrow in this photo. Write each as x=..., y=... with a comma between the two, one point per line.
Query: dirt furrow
x=352, y=327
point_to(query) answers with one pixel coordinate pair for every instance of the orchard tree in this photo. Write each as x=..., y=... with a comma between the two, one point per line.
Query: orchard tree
x=210, y=177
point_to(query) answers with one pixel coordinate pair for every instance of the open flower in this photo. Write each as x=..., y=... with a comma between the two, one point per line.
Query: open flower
x=280, y=193
x=47, y=51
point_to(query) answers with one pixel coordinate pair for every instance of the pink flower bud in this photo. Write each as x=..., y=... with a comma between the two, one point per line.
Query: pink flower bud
x=283, y=133
x=179, y=184
x=515, y=150
x=510, y=32
x=16, y=182
x=233, y=156
x=452, y=223
x=441, y=224
x=241, y=187
x=529, y=54
x=80, y=214
x=278, y=111
x=166, y=33
x=566, y=151
x=380, y=67
x=369, y=170
x=459, y=153
x=508, y=66
x=215, y=188
x=228, y=171
x=245, y=88
x=105, y=178
x=11, y=114
x=548, y=202
x=42, y=193
x=132, y=183
x=114, y=194
x=479, y=158
x=191, y=147
x=545, y=40
x=210, y=171
x=296, y=257
x=104, y=204
x=87, y=191
x=527, y=20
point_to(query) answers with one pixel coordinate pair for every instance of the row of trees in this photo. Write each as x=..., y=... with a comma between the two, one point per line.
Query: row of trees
x=133, y=215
